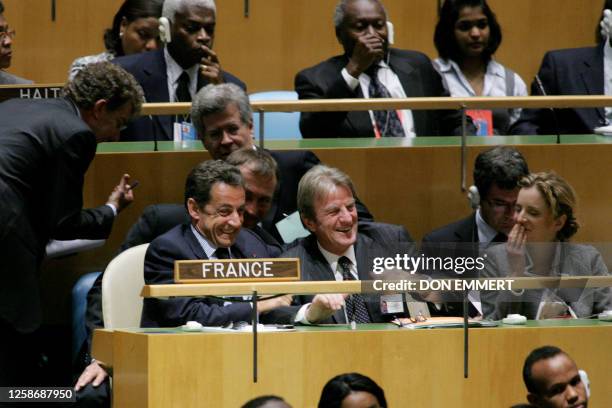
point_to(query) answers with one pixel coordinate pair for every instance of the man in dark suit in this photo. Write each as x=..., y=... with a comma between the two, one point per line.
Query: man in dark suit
x=223, y=117
x=215, y=199
x=45, y=149
x=175, y=73
x=369, y=68
x=497, y=172
x=338, y=250
x=576, y=71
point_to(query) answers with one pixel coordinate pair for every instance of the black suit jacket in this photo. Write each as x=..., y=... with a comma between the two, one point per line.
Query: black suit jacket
x=178, y=244
x=149, y=69
x=417, y=76
x=576, y=71
x=373, y=240
x=457, y=239
x=45, y=150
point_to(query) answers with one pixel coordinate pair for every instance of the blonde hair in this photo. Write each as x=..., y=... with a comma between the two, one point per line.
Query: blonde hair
x=559, y=197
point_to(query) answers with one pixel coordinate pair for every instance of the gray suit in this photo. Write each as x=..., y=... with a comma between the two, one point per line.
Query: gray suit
x=373, y=240
x=570, y=260
x=10, y=79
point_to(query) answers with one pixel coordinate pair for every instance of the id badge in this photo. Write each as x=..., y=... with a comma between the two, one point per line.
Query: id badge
x=392, y=304
x=184, y=131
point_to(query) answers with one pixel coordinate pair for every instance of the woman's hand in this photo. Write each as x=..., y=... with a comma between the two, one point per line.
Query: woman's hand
x=515, y=250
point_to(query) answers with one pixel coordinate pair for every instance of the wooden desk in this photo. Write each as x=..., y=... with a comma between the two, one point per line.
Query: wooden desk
x=417, y=368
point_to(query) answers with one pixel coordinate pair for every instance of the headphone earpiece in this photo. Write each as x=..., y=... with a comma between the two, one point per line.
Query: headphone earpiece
x=164, y=30
x=473, y=197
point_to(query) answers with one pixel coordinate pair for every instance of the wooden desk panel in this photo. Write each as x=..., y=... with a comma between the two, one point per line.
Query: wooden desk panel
x=416, y=368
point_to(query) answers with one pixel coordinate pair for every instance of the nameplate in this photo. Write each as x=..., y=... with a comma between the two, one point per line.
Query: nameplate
x=48, y=91
x=237, y=270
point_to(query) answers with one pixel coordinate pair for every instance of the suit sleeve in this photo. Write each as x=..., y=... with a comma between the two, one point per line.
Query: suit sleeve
x=603, y=296
x=309, y=85
x=66, y=205
x=539, y=121
x=158, y=269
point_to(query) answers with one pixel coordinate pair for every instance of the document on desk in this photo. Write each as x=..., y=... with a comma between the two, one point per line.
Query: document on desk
x=442, y=323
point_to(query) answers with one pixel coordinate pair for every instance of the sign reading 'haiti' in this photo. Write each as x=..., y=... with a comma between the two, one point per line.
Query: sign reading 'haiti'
x=237, y=270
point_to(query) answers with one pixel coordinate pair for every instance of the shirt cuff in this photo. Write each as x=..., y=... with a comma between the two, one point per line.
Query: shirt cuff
x=300, y=317
x=112, y=207
x=350, y=80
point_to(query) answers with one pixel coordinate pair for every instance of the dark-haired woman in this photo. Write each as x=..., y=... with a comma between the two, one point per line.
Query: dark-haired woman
x=352, y=390
x=134, y=30
x=538, y=246
x=466, y=37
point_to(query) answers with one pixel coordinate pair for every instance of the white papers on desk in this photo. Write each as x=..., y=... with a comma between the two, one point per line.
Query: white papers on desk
x=603, y=130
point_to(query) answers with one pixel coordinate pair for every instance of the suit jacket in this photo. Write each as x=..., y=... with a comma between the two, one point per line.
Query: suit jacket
x=457, y=239
x=45, y=150
x=576, y=71
x=10, y=79
x=417, y=76
x=373, y=240
x=149, y=69
x=178, y=244
x=573, y=260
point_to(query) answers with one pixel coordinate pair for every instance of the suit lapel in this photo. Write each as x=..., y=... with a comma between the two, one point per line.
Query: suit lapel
x=156, y=84
x=193, y=243
x=317, y=269
x=592, y=76
x=413, y=87
x=468, y=231
x=358, y=120
x=365, y=251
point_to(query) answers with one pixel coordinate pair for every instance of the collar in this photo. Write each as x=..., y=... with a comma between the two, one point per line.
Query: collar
x=208, y=247
x=174, y=70
x=555, y=268
x=486, y=233
x=332, y=259
x=494, y=68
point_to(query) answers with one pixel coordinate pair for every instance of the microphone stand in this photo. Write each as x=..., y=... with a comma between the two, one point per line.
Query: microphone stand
x=552, y=110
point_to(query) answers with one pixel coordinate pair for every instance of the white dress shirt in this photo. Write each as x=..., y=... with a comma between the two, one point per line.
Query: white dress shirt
x=174, y=71
x=391, y=81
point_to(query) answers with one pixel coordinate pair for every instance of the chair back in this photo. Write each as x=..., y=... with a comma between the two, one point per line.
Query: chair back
x=121, y=286
x=277, y=125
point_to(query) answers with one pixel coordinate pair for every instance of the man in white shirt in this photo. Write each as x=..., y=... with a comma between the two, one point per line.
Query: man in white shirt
x=369, y=68
x=177, y=71
x=340, y=249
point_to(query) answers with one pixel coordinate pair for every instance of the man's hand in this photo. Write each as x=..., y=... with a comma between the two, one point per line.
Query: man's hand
x=93, y=373
x=515, y=249
x=122, y=194
x=271, y=304
x=323, y=306
x=210, y=67
x=369, y=48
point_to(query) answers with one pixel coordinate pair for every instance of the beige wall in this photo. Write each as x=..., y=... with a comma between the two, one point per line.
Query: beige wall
x=283, y=36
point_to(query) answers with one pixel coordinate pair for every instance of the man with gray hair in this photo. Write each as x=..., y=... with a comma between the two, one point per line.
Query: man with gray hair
x=177, y=71
x=370, y=68
x=223, y=118
x=340, y=249
x=46, y=147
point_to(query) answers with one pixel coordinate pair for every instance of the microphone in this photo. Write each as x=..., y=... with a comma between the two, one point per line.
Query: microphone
x=538, y=82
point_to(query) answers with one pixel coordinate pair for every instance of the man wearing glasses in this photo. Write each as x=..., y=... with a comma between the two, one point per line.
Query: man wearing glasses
x=496, y=174
x=6, y=53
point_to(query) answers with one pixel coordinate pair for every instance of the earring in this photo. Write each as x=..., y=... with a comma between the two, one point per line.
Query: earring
x=121, y=34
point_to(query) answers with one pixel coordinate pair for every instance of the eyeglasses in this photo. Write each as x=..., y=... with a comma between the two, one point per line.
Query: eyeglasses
x=7, y=34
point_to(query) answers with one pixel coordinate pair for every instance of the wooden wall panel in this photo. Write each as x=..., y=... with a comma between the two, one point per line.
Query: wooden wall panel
x=280, y=37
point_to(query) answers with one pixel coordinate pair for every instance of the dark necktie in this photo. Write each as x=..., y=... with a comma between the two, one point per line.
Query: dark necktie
x=182, y=89
x=355, y=305
x=387, y=122
x=222, y=253
x=500, y=237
